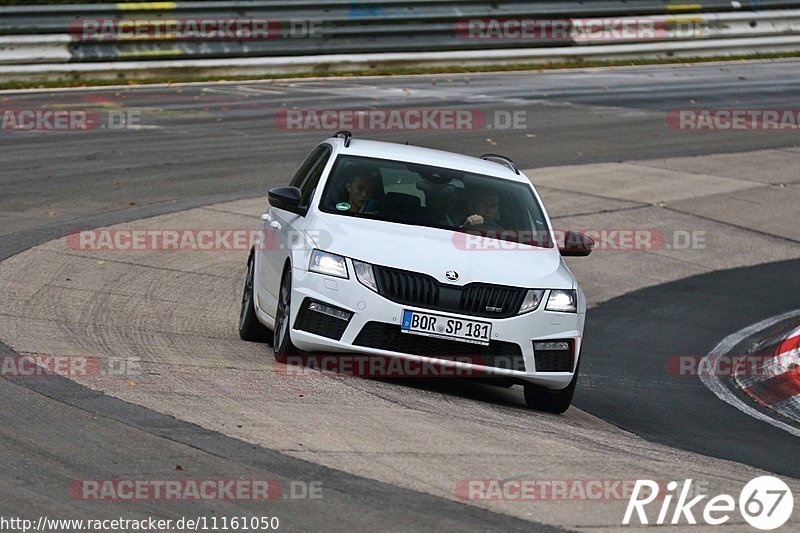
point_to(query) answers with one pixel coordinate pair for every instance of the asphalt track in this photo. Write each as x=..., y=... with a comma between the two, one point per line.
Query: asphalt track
x=56, y=431
x=624, y=377
x=206, y=144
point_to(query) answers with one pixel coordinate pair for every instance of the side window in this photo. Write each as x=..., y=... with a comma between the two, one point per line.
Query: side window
x=302, y=172
x=310, y=184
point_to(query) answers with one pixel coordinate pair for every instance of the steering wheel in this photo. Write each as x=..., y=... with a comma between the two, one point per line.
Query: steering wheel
x=487, y=225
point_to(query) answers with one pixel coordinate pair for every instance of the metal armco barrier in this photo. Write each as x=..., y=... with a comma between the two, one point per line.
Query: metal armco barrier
x=101, y=39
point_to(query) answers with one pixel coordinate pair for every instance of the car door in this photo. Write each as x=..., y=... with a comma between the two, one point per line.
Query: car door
x=281, y=229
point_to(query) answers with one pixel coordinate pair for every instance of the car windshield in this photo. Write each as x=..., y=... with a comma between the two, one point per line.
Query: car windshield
x=423, y=195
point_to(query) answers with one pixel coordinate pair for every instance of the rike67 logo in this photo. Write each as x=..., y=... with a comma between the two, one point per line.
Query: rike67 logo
x=765, y=503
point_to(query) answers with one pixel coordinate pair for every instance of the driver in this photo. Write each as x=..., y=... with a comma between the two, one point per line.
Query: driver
x=484, y=206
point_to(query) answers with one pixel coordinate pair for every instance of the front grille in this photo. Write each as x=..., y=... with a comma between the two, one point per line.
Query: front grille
x=475, y=298
x=498, y=354
x=407, y=287
x=554, y=360
x=319, y=323
x=421, y=290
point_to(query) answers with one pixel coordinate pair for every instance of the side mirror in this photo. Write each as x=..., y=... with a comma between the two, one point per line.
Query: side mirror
x=576, y=245
x=286, y=198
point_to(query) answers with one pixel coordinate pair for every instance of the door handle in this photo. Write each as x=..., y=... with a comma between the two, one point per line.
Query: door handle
x=266, y=217
x=275, y=225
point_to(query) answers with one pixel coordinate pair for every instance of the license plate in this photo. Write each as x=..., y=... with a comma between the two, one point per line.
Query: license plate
x=443, y=327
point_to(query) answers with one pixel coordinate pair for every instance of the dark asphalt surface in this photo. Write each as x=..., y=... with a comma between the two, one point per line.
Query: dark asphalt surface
x=205, y=144
x=630, y=339
x=199, y=144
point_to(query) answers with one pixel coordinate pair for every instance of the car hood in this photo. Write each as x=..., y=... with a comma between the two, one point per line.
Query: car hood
x=436, y=251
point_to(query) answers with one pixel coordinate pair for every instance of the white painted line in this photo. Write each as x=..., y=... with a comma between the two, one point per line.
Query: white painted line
x=792, y=335
x=714, y=383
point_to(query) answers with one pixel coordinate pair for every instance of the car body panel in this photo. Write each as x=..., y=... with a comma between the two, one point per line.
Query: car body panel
x=435, y=251
x=420, y=249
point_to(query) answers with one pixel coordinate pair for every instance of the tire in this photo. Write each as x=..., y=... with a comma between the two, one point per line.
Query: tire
x=250, y=329
x=282, y=342
x=551, y=401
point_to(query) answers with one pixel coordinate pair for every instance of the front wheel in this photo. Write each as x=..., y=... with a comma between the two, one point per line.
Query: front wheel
x=283, y=341
x=250, y=329
x=550, y=401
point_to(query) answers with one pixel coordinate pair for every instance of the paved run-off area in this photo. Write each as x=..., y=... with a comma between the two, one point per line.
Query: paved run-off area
x=177, y=312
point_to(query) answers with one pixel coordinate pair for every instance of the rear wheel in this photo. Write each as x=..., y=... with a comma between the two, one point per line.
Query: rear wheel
x=550, y=401
x=250, y=329
x=283, y=340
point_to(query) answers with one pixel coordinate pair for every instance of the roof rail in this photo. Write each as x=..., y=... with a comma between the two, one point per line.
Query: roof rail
x=501, y=160
x=347, y=136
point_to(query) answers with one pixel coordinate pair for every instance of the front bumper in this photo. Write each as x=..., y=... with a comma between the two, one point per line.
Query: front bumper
x=370, y=307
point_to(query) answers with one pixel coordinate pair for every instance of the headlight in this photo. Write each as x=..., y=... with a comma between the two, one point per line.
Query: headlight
x=532, y=300
x=329, y=264
x=365, y=275
x=565, y=301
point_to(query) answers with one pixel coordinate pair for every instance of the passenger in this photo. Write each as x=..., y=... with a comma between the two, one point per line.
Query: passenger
x=361, y=189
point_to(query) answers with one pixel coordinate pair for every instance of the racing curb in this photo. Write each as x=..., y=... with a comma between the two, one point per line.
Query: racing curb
x=776, y=384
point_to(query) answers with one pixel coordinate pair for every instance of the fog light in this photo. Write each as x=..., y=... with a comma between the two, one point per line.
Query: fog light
x=554, y=355
x=549, y=346
x=330, y=311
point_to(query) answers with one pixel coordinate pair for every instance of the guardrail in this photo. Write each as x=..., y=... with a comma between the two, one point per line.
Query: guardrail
x=265, y=35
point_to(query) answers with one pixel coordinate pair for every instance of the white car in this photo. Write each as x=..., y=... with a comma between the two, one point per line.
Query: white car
x=395, y=250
